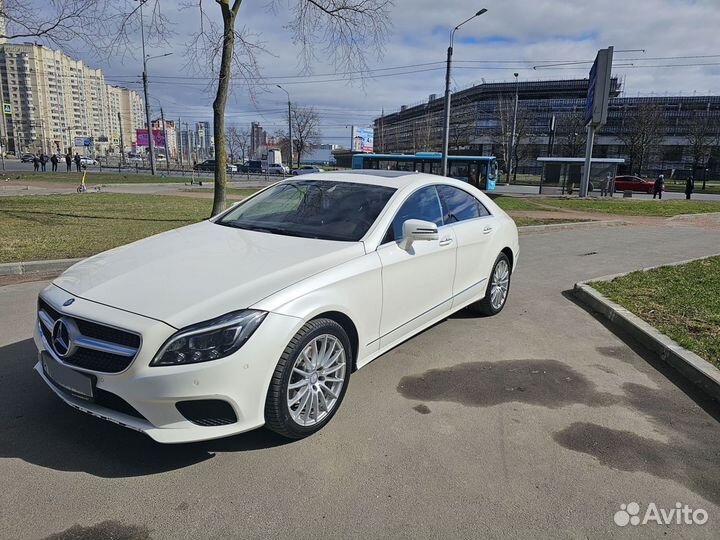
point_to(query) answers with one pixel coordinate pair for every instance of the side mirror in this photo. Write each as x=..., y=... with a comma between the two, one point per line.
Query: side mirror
x=417, y=230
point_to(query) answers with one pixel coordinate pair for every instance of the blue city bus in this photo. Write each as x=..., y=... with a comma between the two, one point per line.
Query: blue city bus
x=480, y=171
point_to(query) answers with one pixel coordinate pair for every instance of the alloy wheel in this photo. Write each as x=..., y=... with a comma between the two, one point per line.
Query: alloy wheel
x=316, y=381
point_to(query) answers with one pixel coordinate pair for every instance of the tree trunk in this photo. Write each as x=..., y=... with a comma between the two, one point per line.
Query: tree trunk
x=219, y=198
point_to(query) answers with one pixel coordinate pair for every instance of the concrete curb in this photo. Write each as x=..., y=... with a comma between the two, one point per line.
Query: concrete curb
x=694, y=217
x=36, y=267
x=695, y=369
x=576, y=225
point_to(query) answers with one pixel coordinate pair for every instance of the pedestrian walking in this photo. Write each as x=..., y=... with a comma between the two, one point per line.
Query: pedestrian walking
x=36, y=163
x=689, y=187
x=659, y=186
x=68, y=161
x=54, y=160
x=77, y=162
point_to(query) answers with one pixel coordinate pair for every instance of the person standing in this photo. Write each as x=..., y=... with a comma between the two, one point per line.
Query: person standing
x=36, y=163
x=659, y=186
x=689, y=187
x=605, y=186
x=77, y=162
x=54, y=161
x=68, y=161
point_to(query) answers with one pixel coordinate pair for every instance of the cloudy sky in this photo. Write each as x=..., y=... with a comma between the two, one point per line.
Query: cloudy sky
x=661, y=38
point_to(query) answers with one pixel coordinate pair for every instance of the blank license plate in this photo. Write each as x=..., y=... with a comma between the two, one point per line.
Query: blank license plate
x=74, y=382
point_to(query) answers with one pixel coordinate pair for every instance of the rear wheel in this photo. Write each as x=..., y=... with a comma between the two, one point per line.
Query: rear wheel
x=498, y=288
x=310, y=380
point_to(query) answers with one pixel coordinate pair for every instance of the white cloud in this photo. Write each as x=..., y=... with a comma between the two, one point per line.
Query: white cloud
x=530, y=31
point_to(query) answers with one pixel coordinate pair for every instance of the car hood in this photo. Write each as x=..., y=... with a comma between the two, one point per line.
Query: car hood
x=201, y=271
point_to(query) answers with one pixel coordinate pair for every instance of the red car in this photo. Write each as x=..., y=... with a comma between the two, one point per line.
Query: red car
x=633, y=183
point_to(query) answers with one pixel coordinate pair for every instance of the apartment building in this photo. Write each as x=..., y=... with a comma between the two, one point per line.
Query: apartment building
x=50, y=100
x=170, y=136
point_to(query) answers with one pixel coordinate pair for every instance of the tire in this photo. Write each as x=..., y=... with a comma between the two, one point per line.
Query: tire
x=487, y=306
x=288, y=411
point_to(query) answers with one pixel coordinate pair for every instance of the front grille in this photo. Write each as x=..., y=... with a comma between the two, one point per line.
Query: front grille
x=207, y=412
x=105, y=360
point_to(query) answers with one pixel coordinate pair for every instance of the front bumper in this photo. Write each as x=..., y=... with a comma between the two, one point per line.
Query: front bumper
x=241, y=380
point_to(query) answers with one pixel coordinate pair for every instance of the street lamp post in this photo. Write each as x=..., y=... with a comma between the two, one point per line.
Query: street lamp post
x=290, y=140
x=446, y=126
x=145, y=90
x=511, y=153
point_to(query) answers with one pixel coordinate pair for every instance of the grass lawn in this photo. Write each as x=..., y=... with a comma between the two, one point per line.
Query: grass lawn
x=683, y=302
x=231, y=193
x=509, y=203
x=69, y=226
x=628, y=207
x=95, y=177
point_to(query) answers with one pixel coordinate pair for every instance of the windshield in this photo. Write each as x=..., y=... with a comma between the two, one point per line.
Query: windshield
x=320, y=209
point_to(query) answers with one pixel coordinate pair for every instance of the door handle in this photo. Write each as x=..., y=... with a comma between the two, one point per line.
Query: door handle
x=446, y=241
x=487, y=230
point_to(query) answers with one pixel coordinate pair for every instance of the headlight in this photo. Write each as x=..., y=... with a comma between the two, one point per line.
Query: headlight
x=209, y=340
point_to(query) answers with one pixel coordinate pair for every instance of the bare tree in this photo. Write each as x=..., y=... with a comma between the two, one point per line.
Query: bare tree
x=346, y=31
x=571, y=134
x=641, y=133
x=57, y=22
x=238, y=141
x=305, y=130
x=502, y=136
x=703, y=135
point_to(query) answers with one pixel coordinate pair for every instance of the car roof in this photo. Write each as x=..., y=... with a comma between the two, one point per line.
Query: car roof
x=395, y=179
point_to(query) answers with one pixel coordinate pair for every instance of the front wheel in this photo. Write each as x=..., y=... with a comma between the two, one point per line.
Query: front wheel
x=310, y=380
x=497, y=289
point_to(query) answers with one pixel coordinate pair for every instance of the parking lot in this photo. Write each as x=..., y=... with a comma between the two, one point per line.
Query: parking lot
x=538, y=423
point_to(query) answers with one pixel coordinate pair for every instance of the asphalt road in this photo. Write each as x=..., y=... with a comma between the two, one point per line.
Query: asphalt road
x=538, y=423
x=259, y=179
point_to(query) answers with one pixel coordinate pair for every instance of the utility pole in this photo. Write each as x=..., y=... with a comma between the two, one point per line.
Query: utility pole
x=446, y=124
x=180, y=144
x=151, y=143
x=167, y=154
x=511, y=153
x=290, y=137
x=122, y=142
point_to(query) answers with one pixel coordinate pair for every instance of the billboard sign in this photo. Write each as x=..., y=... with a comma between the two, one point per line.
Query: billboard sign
x=83, y=141
x=363, y=139
x=142, y=137
x=598, y=96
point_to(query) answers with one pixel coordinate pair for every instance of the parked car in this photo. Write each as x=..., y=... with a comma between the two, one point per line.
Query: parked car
x=252, y=167
x=86, y=160
x=209, y=165
x=26, y=158
x=277, y=168
x=634, y=183
x=135, y=157
x=290, y=304
x=160, y=158
x=307, y=169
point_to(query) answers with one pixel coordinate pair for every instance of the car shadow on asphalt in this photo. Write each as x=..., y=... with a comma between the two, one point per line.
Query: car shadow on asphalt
x=38, y=428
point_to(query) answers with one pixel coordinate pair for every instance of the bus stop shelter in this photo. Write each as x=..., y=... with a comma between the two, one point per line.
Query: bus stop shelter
x=562, y=175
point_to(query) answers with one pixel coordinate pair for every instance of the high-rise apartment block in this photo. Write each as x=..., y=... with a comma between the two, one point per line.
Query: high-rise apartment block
x=54, y=103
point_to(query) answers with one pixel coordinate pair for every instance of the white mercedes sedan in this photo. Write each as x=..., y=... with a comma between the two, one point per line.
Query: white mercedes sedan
x=259, y=315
